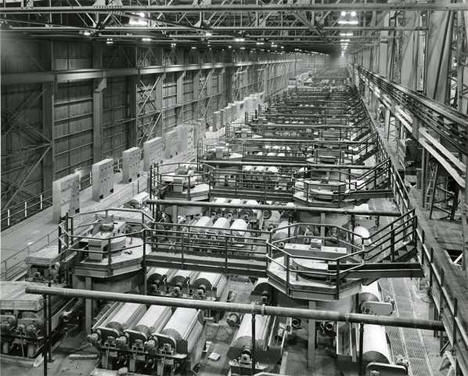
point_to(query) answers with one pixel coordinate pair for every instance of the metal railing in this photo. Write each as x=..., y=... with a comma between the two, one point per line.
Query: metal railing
x=384, y=243
x=13, y=266
x=448, y=123
x=376, y=179
x=23, y=210
x=443, y=292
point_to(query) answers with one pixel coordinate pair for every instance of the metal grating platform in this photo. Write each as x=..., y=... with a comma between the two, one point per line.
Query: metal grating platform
x=416, y=352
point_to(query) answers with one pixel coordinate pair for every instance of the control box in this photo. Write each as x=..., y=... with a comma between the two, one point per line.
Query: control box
x=66, y=196
x=131, y=164
x=152, y=152
x=103, y=179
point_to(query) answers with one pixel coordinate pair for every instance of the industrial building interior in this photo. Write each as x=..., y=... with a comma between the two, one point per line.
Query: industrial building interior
x=234, y=187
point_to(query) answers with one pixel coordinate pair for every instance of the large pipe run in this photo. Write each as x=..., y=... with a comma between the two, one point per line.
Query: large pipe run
x=309, y=209
x=238, y=307
x=225, y=162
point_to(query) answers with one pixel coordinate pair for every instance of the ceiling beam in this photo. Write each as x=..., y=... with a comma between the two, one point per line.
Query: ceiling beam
x=337, y=7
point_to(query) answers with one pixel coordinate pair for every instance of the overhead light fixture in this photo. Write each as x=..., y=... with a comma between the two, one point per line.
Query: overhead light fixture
x=194, y=48
x=353, y=13
x=173, y=45
x=146, y=39
x=229, y=46
x=86, y=33
x=242, y=48
x=343, y=13
x=139, y=20
x=239, y=40
x=346, y=22
x=346, y=34
x=260, y=43
x=345, y=40
x=208, y=34
x=109, y=41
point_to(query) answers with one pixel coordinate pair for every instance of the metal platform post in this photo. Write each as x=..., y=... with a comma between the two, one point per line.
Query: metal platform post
x=311, y=339
x=88, y=306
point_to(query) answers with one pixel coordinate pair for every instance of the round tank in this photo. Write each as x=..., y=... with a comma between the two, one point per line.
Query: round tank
x=242, y=340
x=181, y=276
x=375, y=347
x=370, y=293
x=231, y=211
x=181, y=324
x=153, y=320
x=238, y=228
x=126, y=316
x=207, y=281
x=158, y=275
x=220, y=200
x=260, y=170
x=203, y=224
x=363, y=233
x=248, y=213
x=221, y=226
x=282, y=233
x=138, y=200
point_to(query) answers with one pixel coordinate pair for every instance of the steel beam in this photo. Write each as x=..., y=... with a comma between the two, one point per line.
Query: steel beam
x=90, y=74
x=236, y=8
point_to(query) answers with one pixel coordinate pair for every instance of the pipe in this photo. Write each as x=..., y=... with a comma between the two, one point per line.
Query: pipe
x=222, y=162
x=238, y=307
x=309, y=209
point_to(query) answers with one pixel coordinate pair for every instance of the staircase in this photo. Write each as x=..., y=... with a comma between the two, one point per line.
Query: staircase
x=440, y=194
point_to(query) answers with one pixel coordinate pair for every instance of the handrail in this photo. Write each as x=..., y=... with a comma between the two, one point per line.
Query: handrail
x=447, y=122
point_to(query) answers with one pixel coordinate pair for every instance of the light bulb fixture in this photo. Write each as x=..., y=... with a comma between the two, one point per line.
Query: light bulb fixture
x=343, y=13
x=86, y=33
x=353, y=13
x=194, y=48
x=346, y=34
x=146, y=39
x=208, y=34
x=239, y=40
x=345, y=40
x=346, y=22
x=139, y=20
x=109, y=41
x=260, y=43
x=173, y=45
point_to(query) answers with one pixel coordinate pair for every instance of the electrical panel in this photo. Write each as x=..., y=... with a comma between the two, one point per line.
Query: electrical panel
x=216, y=120
x=171, y=144
x=103, y=178
x=152, y=152
x=228, y=113
x=223, y=116
x=131, y=164
x=66, y=196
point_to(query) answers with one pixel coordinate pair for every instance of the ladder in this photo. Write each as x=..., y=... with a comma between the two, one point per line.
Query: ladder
x=440, y=195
